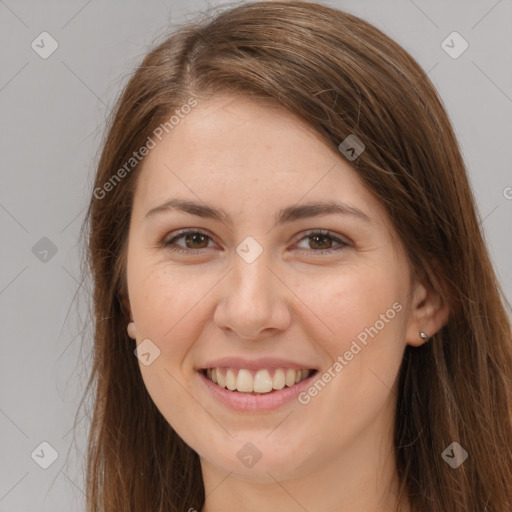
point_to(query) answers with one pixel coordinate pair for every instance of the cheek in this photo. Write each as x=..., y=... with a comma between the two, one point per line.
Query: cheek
x=167, y=305
x=362, y=329
x=356, y=304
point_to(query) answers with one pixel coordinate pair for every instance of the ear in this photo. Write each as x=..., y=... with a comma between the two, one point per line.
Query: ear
x=429, y=313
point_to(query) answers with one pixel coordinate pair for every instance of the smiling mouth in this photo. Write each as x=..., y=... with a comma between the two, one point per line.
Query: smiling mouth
x=257, y=382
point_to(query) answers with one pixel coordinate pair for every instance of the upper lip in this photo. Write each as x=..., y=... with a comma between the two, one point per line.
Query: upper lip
x=254, y=364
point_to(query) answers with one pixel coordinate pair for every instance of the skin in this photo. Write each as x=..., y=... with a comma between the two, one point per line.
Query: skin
x=335, y=453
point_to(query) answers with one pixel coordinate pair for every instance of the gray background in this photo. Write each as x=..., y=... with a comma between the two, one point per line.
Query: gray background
x=53, y=118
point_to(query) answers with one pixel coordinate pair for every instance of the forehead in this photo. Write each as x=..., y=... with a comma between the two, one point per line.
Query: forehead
x=238, y=150
x=228, y=129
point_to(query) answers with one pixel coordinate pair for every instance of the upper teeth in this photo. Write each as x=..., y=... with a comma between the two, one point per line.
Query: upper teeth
x=261, y=382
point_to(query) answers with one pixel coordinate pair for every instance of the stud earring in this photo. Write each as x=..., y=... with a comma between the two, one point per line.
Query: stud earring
x=131, y=330
x=423, y=336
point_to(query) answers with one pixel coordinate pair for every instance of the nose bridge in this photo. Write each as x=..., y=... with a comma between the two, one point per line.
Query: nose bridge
x=252, y=300
x=251, y=275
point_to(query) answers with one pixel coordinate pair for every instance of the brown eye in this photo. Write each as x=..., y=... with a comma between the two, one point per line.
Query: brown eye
x=194, y=240
x=322, y=241
x=318, y=242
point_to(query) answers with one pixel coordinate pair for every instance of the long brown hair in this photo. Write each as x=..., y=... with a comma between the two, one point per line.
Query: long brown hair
x=343, y=77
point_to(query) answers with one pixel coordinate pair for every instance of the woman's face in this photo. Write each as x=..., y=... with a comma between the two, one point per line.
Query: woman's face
x=255, y=296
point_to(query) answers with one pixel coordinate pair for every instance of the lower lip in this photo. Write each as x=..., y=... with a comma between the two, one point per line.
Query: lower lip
x=246, y=402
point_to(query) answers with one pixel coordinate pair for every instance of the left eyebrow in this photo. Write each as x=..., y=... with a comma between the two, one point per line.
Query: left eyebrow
x=285, y=215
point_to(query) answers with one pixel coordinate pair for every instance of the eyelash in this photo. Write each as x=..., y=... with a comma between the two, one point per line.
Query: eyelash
x=314, y=232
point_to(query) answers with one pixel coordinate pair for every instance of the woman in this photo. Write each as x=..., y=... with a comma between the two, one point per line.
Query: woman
x=282, y=232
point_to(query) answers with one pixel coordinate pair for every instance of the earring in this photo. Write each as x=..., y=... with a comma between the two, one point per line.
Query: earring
x=423, y=336
x=131, y=330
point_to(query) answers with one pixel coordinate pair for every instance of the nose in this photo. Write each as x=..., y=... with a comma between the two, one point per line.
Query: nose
x=254, y=301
